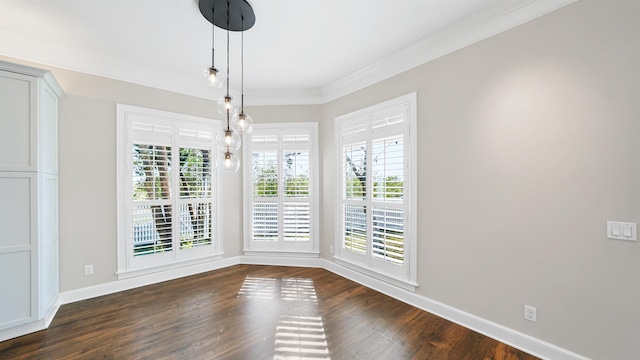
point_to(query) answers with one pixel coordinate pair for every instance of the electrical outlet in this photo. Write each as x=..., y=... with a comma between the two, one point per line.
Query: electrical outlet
x=530, y=313
x=88, y=269
x=331, y=249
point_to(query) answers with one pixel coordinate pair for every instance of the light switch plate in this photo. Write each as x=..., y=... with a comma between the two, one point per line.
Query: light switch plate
x=622, y=231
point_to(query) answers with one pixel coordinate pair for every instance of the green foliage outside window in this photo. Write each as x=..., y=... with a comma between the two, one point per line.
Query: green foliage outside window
x=265, y=179
x=391, y=188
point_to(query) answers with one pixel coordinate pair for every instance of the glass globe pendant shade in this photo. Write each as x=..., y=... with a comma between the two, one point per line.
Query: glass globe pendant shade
x=228, y=139
x=212, y=79
x=225, y=104
x=229, y=162
x=242, y=123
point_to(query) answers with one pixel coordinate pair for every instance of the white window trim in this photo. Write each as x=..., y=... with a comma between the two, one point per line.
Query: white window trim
x=409, y=279
x=124, y=270
x=314, y=249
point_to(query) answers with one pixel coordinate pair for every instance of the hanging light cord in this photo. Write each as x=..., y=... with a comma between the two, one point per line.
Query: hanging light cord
x=228, y=110
x=242, y=66
x=213, y=38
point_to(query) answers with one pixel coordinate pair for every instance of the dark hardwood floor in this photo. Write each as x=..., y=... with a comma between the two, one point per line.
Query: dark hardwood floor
x=253, y=312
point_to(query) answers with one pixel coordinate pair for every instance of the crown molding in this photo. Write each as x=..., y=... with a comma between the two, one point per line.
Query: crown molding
x=31, y=71
x=494, y=19
x=33, y=50
x=29, y=50
x=476, y=27
x=284, y=97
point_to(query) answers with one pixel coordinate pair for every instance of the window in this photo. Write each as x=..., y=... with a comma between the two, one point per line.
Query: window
x=166, y=190
x=376, y=206
x=280, y=170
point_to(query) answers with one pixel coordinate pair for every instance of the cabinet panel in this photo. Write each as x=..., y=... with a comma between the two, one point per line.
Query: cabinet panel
x=48, y=206
x=16, y=210
x=49, y=275
x=15, y=279
x=17, y=117
x=48, y=126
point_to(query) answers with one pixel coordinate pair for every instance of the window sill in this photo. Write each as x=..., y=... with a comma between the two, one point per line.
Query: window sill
x=171, y=266
x=401, y=283
x=282, y=253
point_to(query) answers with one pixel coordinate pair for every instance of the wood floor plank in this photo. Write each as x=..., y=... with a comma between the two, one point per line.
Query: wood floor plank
x=253, y=312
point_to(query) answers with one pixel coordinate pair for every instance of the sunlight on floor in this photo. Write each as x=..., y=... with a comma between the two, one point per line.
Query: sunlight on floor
x=301, y=338
x=290, y=289
x=258, y=288
x=296, y=337
x=298, y=290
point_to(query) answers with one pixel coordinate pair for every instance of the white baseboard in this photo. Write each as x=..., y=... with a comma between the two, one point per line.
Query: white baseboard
x=31, y=327
x=283, y=261
x=48, y=318
x=20, y=330
x=143, y=280
x=495, y=331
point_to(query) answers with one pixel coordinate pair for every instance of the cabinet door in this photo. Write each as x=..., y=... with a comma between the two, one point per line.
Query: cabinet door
x=18, y=249
x=18, y=115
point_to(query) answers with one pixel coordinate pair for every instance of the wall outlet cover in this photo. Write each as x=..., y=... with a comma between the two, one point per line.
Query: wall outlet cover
x=530, y=313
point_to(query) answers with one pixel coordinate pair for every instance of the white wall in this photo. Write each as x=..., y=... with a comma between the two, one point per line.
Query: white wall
x=528, y=144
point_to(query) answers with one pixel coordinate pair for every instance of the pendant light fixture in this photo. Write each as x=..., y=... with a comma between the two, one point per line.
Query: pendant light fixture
x=229, y=139
x=231, y=15
x=211, y=74
x=241, y=122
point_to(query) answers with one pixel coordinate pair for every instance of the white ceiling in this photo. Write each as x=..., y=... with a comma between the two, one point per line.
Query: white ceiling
x=299, y=51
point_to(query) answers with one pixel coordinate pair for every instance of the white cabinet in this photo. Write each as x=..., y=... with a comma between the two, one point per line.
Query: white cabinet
x=28, y=199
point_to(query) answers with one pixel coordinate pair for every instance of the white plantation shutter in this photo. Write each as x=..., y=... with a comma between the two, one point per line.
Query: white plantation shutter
x=156, y=183
x=149, y=223
x=375, y=210
x=266, y=183
x=196, y=208
x=265, y=221
x=151, y=209
x=296, y=220
x=196, y=224
x=265, y=173
x=296, y=173
x=354, y=154
x=354, y=171
x=195, y=173
x=387, y=165
x=197, y=211
x=296, y=168
x=355, y=228
x=166, y=204
x=280, y=170
x=388, y=235
x=147, y=130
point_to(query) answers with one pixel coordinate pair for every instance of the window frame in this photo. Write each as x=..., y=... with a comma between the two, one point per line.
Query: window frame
x=128, y=264
x=405, y=275
x=280, y=247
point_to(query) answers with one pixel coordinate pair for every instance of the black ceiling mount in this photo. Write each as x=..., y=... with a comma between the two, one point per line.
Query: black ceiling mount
x=241, y=16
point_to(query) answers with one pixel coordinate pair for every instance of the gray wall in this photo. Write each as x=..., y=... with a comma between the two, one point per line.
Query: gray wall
x=527, y=146
x=87, y=134
x=87, y=163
